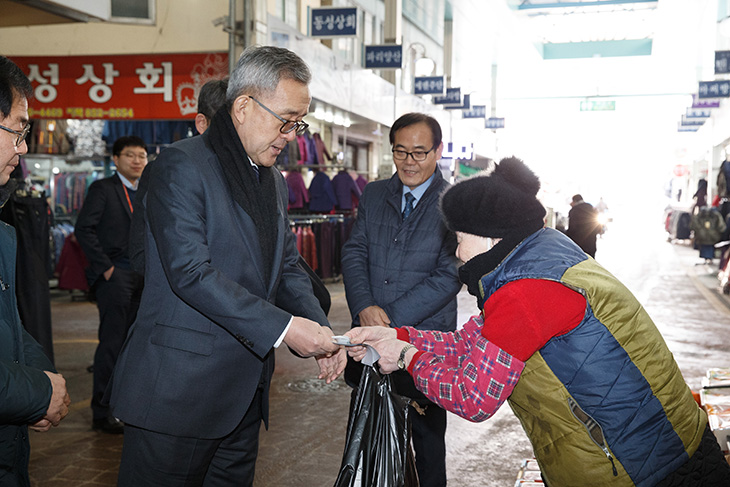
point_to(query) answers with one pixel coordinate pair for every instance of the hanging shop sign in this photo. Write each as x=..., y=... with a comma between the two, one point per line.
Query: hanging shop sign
x=465, y=105
x=453, y=150
x=494, y=123
x=692, y=121
x=687, y=128
x=714, y=89
x=452, y=97
x=698, y=113
x=384, y=56
x=328, y=22
x=429, y=85
x=598, y=105
x=704, y=103
x=140, y=87
x=722, y=62
x=477, y=111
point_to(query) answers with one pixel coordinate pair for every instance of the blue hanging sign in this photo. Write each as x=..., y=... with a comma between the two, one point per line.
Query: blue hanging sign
x=429, y=85
x=687, y=128
x=698, y=113
x=714, y=89
x=385, y=56
x=477, y=111
x=722, y=62
x=327, y=22
x=494, y=123
x=452, y=97
x=692, y=121
x=466, y=105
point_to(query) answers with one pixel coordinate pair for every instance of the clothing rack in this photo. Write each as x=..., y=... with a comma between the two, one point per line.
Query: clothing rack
x=319, y=240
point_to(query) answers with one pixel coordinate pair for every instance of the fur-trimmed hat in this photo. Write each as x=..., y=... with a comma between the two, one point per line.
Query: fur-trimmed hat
x=496, y=204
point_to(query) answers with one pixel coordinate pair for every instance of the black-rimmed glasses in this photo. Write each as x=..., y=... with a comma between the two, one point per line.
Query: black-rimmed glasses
x=20, y=135
x=287, y=125
x=417, y=155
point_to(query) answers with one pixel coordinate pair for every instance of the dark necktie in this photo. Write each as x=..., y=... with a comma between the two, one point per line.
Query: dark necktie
x=256, y=170
x=409, y=205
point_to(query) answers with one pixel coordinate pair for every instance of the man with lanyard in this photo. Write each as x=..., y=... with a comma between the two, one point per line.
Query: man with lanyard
x=102, y=230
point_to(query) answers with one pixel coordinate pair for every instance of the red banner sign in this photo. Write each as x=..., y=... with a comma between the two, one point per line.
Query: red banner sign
x=140, y=87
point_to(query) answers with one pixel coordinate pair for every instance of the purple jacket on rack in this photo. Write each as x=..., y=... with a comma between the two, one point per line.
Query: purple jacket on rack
x=298, y=194
x=321, y=194
x=345, y=188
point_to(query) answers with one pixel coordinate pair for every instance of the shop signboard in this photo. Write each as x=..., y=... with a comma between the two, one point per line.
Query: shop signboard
x=692, y=121
x=714, y=89
x=477, y=111
x=494, y=123
x=698, y=113
x=329, y=22
x=384, y=56
x=465, y=105
x=705, y=102
x=452, y=97
x=429, y=85
x=722, y=62
x=687, y=128
x=118, y=87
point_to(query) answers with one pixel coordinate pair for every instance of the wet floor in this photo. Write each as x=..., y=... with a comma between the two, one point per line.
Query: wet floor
x=304, y=444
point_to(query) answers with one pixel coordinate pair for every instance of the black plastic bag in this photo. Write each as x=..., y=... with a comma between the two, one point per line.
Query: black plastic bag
x=378, y=450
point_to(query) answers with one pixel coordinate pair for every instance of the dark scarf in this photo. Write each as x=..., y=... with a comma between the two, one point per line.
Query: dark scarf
x=472, y=272
x=256, y=198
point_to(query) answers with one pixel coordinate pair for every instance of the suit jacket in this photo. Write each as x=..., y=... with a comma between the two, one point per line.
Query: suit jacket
x=102, y=227
x=203, y=339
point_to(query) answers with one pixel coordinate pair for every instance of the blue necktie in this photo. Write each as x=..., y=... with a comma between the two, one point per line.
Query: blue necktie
x=256, y=170
x=409, y=205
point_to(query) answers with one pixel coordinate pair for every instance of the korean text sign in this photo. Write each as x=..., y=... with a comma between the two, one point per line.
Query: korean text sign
x=141, y=87
x=333, y=22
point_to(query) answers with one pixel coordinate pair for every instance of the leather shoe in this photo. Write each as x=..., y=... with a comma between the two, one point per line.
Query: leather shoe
x=109, y=425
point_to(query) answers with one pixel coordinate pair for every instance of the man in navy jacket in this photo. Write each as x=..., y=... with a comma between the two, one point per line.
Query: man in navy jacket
x=399, y=269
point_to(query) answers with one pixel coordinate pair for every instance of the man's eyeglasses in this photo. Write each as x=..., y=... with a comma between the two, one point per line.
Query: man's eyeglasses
x=417, y=155
x=132, y=155
x=287, y=125
x=20, y=135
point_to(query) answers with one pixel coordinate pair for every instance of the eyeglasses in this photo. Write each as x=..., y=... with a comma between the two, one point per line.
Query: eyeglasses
x=20, y=135
x=132, y=155
x=287, y=125
x=417, y=155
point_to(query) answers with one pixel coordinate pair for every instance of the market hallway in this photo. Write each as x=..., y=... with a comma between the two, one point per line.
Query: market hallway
x=304, y=445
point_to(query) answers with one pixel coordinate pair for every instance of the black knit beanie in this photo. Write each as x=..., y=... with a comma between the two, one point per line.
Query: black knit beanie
x=497, y=204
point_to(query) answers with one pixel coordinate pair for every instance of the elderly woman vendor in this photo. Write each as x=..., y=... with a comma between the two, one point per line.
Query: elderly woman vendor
x=578, y=358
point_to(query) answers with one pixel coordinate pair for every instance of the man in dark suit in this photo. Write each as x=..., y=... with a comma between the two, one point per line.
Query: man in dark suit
x=399, y=269
x=222, y=289
x=102, y=230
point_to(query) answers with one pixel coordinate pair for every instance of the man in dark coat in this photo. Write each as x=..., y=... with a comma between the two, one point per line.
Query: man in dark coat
x=32, y=394
x=583, y=225
x=222, y=289
x=102, y=230
x=399, y=269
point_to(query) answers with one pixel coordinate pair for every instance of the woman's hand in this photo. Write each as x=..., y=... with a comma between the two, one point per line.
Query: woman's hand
x=384, y=341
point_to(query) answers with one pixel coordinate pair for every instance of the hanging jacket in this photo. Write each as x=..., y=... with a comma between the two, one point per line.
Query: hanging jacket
x=321, y=195
x=606, y=395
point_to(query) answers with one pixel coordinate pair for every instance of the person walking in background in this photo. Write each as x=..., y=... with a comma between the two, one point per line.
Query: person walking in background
x=708, y=226
x=32, y=394
x=222, y=289
x=102, y=230
x=212, y=96
x=583, y=225
x=580, y=361
x=399, y=269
